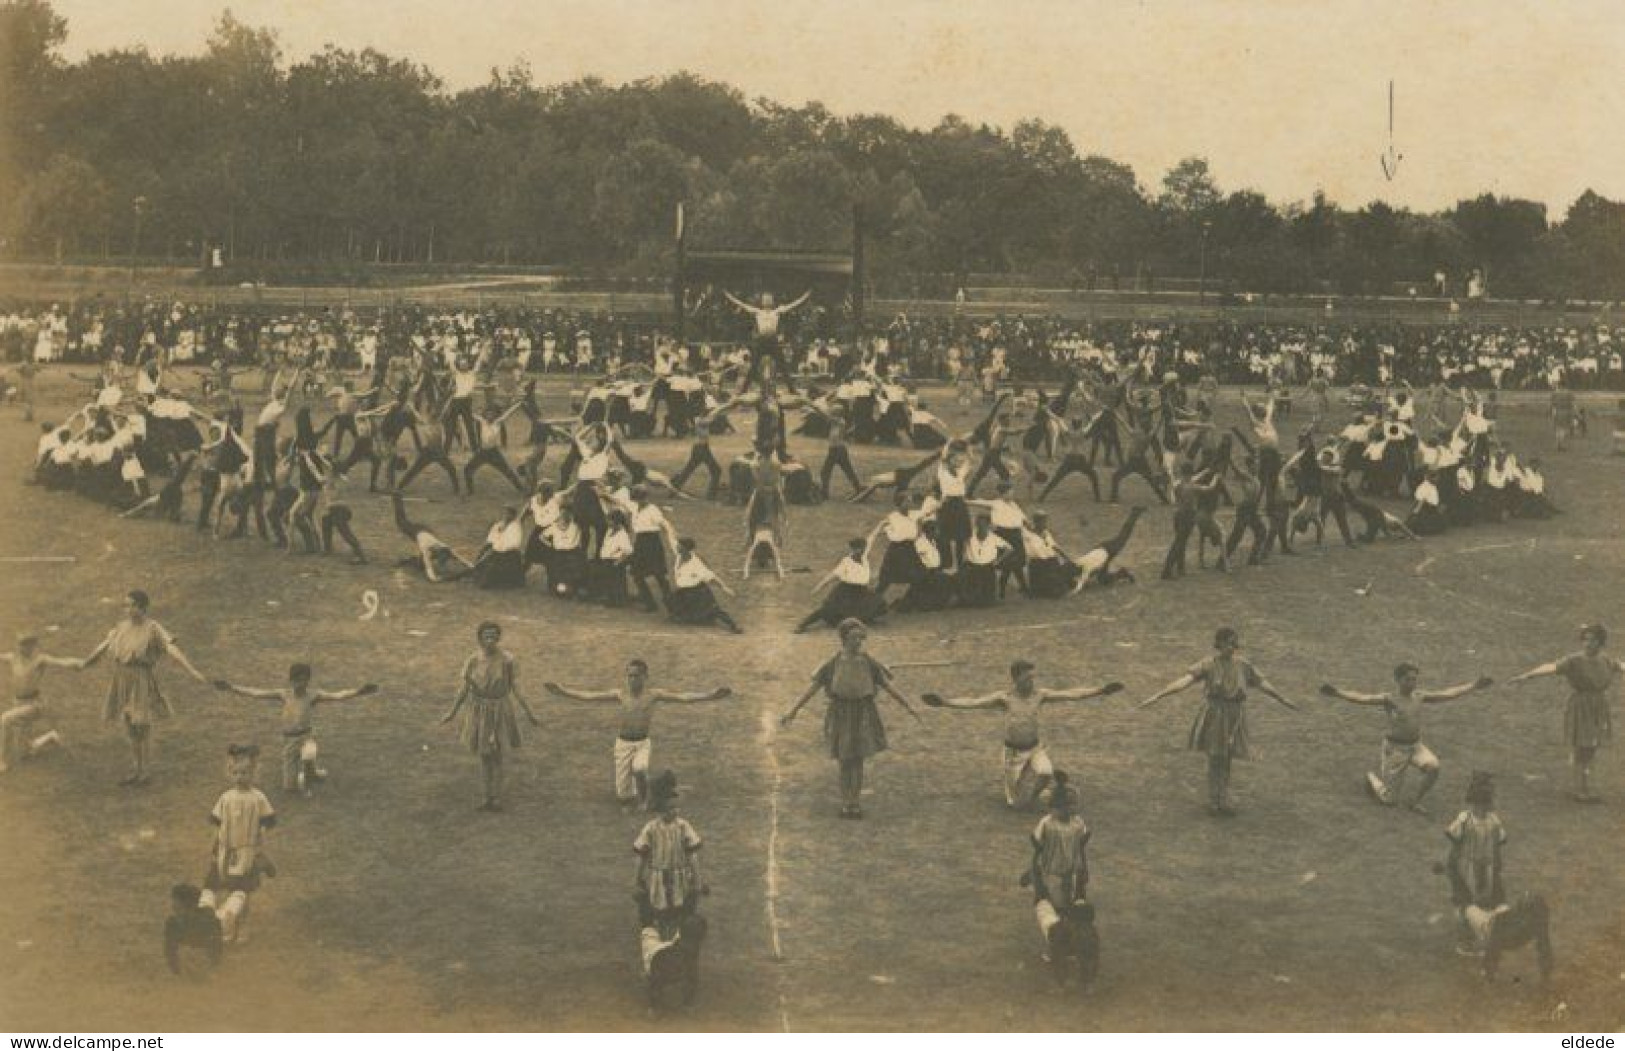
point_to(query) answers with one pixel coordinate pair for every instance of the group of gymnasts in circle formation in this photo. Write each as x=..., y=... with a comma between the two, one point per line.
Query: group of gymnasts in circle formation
x=597, y=531
x=489, y=705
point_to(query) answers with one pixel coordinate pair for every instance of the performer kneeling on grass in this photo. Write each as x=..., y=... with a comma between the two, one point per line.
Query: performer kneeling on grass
x=440, y=564
x=852, y=727
x=298, y=701
x=691, y=599
x=637, y=709
x=1220, y=729
x=1586, y=721
x=137, y=643
x=490, y=693
x=1402, y=746
x=932, y=589
x=1027, y=767
x=852, y=596
x=21, y=725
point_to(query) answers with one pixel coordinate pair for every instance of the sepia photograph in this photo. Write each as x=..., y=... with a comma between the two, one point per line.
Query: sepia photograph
x=717, y=516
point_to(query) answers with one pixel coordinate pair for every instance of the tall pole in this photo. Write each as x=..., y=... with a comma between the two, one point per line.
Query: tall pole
x=1202, y=281
x=858, y=276
x=140, y=206
x=679, y=288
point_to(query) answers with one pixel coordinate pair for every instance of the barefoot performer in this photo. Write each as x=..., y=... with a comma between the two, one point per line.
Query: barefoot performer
x=490, y=692
x=1587, y=721
x=137, y=643
x=1402, y=745
x=1027, y=767
x=852, y=727
x=632, y=744
x=1220, y=729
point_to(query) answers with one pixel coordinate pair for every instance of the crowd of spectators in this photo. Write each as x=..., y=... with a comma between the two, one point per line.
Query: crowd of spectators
x=1017, y=348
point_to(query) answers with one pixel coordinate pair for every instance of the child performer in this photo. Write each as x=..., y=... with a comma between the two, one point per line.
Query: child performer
x=241, y=817
x=1027, y=767
x=632, y=745
x=1587, y=721
x=298, y=701
x=852, y=727
x=490, y=692
x=670, y=882
x=137, y=643
x=29, y=713
x=1059, y=877
x=1402, y=745
x=1474, y=862
x=1220, y=729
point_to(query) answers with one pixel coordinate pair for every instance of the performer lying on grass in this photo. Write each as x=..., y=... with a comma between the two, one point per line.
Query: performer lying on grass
x=440, y=564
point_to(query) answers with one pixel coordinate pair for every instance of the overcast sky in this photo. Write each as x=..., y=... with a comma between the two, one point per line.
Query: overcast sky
x=1519, y=97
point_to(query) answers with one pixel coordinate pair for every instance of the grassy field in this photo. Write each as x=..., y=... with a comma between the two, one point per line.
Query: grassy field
x=400, y=907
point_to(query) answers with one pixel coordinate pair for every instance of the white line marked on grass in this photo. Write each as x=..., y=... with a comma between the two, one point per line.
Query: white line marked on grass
x=39, y=558
x=775, y=780
x=1422, y=567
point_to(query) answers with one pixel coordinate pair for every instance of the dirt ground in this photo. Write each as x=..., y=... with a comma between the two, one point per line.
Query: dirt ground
x=398, y=907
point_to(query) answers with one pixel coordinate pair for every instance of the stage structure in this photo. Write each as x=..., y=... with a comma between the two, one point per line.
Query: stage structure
x=836, y=279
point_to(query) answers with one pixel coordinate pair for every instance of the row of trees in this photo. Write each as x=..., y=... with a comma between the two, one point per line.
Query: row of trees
x=359, y=157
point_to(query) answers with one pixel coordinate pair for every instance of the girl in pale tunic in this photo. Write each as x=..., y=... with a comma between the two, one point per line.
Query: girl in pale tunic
x=1587, y=722
x=490, y=694
x=1220, y=729
x=852, y=726
x=136, y=644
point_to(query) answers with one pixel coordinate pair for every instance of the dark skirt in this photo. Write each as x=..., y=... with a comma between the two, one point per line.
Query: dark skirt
x=1220, y=729
x=931, y=591
x=953, y=520
x=1051, y=578
x=851, y=600
x=1586, y=720
x=567, y=570
x=901, y=564
x=853, y=729
x=501, y=569
x=693, y=605
x=607, y=581
x=978, y=585
x=648, y=555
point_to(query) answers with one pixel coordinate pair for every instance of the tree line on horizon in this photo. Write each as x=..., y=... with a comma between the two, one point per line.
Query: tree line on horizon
x=347, y=159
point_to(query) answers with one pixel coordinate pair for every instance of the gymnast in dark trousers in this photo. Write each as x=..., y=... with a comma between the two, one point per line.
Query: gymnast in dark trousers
x=837, y=457
x=1095, y=567
x=700, y=455
x=431, y=438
